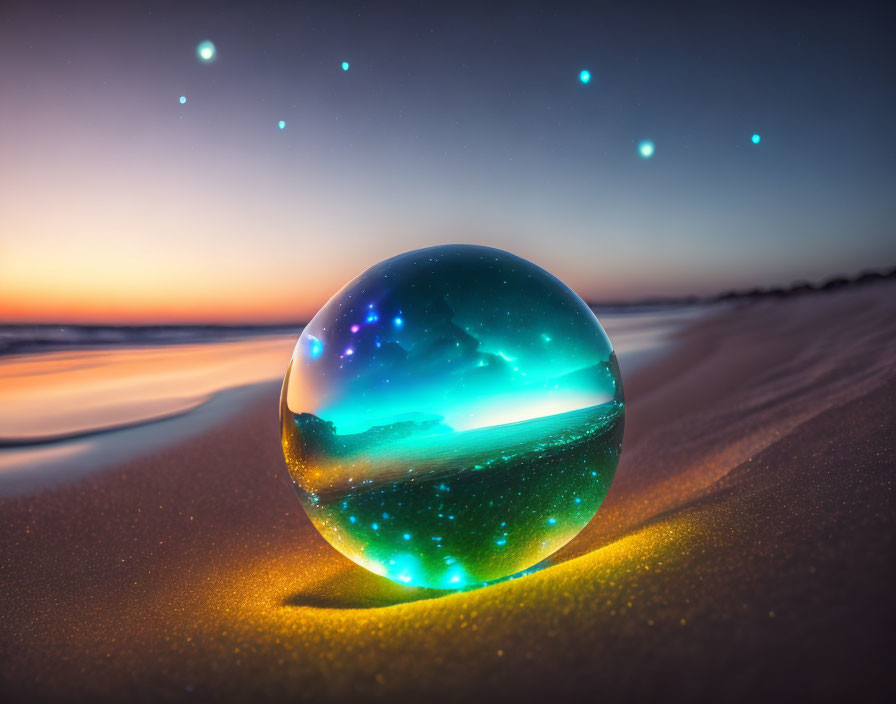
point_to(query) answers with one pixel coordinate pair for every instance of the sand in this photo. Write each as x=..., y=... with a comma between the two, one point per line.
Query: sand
x=745, y=551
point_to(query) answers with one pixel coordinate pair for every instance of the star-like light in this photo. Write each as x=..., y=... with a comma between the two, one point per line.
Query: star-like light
x=755, y=139
x=646, y=149
x=182, y=99
x=206, y=51
x=282, y=124
x=315, y=347
x=345, y=66
x=584, y=76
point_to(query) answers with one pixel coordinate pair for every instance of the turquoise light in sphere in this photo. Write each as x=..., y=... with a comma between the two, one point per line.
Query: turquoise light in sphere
x=206, y=51
x=182, y=99
x=282, y=124
x=755, y=139
x=345, y=65
x=585, y=76
x=452, y=417
x=646, y=149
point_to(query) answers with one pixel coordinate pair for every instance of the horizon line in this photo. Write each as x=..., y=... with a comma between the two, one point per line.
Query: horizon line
x=797, y=287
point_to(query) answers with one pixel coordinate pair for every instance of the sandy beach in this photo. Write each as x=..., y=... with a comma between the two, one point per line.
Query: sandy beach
x=744, y=552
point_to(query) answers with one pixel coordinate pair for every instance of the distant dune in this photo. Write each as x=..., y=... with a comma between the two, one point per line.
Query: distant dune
x=797, y=288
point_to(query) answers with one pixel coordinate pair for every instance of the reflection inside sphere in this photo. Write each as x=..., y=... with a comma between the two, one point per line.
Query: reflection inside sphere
x=452, y=416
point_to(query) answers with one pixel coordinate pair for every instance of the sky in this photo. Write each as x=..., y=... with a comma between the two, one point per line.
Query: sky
x=454, y=123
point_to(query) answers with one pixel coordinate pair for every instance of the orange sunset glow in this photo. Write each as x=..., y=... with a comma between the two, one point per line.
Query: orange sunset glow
x=131, y=282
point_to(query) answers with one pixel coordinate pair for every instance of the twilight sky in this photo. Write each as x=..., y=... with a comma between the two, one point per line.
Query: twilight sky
x=454, y=123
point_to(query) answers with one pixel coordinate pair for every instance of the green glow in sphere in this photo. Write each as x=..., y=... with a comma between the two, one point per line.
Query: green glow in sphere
x=452, y=417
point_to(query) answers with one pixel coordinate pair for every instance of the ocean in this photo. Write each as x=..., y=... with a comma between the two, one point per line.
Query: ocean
x=77, y=399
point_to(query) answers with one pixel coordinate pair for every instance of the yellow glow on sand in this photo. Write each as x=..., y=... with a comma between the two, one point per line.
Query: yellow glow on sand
x=341, y=618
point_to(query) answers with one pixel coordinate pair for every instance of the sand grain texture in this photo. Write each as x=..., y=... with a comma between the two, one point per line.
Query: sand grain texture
x=745, y=551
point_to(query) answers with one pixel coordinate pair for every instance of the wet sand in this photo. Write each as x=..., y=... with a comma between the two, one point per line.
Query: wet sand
x=745, y=551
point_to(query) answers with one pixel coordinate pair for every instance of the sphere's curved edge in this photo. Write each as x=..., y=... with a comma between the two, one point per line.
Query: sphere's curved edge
x=452, y=417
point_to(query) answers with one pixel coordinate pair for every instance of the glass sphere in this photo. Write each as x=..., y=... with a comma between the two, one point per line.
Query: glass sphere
x=452, y=416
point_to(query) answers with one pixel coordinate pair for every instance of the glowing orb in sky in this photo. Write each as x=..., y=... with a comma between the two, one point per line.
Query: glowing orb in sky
x=182, y=99
x=452, y=416
x=206, y=51
x=282, y=124
x=585, y=76
x=345, y=66
x=755, y=139
x=646, y=149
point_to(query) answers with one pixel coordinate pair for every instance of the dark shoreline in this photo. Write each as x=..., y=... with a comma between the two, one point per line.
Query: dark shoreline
x=25, y=338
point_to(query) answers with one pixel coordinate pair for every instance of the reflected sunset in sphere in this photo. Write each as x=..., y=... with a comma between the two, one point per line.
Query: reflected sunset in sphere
x=452, y=416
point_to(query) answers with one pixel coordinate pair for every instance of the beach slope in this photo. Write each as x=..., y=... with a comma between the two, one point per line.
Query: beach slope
x=744, y=551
